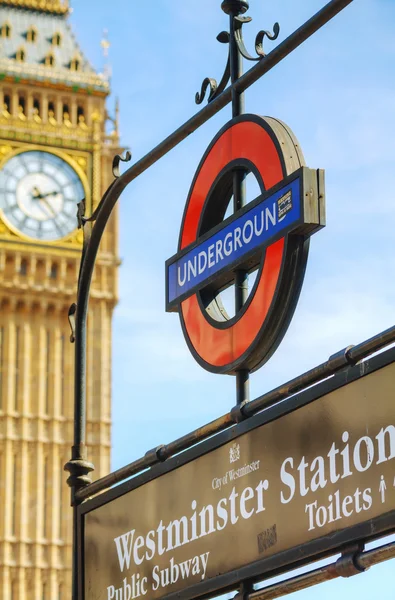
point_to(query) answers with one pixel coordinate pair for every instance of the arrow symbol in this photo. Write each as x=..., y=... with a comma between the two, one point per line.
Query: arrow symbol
x=382, y=488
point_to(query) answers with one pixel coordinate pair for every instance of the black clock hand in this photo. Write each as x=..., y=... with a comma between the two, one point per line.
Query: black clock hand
x=38, y=196
x=36, y=193
x=47, y=204
x=55, y=193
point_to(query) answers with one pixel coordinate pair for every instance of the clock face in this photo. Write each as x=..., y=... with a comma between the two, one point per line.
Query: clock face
x=39, y=193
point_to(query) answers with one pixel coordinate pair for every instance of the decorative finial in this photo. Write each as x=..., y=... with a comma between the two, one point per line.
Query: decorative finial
x=114, y=120
x=235, y=7
x=116, y=124
x=105, y=43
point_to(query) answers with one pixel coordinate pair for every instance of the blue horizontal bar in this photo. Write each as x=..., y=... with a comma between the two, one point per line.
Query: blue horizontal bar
x=253, y=229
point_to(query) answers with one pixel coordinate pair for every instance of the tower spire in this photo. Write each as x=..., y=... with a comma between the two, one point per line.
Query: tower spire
x=105, y=44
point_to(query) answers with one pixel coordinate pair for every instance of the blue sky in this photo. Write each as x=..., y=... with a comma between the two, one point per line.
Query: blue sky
x=337, y=93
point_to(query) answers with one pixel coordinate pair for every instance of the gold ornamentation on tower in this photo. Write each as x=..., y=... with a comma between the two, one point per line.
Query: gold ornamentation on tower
x=55, y=7
x=54, y=150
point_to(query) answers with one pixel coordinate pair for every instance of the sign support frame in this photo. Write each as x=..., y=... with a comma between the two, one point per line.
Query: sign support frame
x=94, y=226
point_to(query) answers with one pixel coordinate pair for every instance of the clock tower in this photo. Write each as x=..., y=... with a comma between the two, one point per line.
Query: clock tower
x=56, y=148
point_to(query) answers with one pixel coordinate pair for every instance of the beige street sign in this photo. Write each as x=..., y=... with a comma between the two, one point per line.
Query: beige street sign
x=315, y=472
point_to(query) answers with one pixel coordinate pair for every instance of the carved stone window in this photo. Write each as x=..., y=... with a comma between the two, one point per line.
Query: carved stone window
x=31, y=35
x=36, y=110
x=75, y=64
x=56, y=39
x=51, y=113
x=5, y=31
x=49, y=60
x=22, y=107
x=66, y=115
x=23, y=267
x=20, y=55
x=54, y=271
x=7, y=103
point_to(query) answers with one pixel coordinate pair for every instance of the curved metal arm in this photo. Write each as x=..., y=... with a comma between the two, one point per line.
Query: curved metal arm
x=94, y=227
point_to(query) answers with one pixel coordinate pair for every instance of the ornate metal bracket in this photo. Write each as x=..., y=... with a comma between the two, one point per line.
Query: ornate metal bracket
x=86, y=223
x=79, y=469
x=118, y=158
x=215, y=89
x=71, y=317
x=348, y=564
x=258, y=40
x=224, y=38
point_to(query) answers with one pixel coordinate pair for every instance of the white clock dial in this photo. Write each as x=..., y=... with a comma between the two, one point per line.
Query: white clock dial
x=39, y=193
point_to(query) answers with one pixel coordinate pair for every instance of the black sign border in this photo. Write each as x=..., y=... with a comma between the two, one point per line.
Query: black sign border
x=283, y=561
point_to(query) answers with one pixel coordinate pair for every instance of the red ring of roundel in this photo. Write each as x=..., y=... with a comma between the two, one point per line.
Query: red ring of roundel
x=219, y=349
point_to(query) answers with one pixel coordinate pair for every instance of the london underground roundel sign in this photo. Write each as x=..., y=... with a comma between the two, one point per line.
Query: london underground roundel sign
x=270, y=234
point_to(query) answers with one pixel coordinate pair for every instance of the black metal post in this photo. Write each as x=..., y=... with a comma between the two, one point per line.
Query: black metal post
x=78, y=466
x=234, y=8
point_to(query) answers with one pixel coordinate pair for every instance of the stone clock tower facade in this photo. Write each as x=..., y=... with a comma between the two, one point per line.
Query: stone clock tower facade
x=55, y=149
